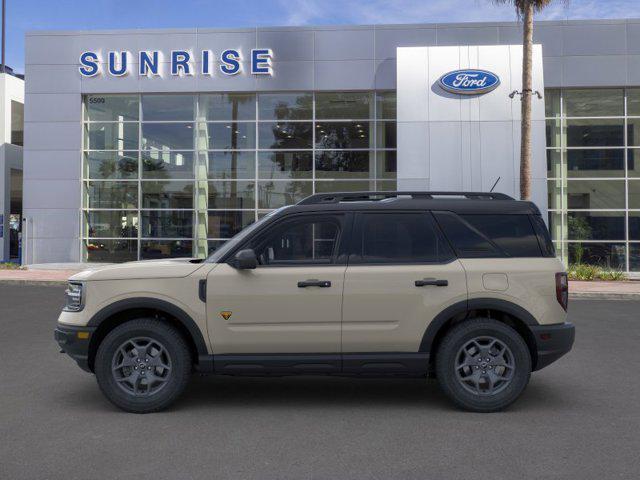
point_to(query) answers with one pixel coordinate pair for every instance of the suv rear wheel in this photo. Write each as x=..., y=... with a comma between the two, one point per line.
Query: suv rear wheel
x=143, y=365
x=483, y=365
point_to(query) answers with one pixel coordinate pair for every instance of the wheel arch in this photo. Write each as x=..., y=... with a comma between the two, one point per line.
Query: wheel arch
x=121, y=311
x=504, y=311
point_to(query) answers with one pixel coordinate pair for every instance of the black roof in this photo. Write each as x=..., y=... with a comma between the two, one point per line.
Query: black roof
x=457, y=202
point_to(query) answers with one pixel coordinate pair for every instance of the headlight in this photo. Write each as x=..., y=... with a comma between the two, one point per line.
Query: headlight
x=73, y=294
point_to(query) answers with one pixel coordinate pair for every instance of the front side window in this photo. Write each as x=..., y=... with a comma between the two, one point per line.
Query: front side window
x=401, y=238
x=308, y=241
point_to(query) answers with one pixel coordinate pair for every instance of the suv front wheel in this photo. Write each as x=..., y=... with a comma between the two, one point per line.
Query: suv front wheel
x=143, y=365
x=483, y=365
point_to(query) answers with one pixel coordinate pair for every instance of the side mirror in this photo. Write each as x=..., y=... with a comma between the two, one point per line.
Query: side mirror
x=245, y=260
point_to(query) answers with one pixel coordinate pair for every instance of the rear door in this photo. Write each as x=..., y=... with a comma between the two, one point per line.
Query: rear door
x=401, y=274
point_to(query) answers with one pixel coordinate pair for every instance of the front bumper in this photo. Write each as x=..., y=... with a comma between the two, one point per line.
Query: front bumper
x=552, y=342
x=74, y=341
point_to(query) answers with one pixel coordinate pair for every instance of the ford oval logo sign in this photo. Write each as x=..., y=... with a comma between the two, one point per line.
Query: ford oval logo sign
x=469, y=82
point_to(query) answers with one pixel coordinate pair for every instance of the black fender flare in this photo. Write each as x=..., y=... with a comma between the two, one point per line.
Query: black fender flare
x=464, y=307
x=156, y=304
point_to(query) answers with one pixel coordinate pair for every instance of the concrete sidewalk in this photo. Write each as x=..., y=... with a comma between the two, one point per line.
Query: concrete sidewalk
x=628, y=290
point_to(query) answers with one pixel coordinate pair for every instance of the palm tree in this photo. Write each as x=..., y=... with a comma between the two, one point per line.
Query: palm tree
x=525, y=10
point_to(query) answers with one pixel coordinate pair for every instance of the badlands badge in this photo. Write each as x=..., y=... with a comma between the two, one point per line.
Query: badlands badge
x=225, y=314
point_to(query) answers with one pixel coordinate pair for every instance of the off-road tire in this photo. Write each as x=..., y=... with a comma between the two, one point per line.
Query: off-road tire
x=448, y=356
x=177, y=376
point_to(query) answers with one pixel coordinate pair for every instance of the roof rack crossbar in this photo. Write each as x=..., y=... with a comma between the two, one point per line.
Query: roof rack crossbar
x=366, y=196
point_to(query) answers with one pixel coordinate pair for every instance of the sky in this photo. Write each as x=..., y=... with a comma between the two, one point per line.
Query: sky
x=26, y=15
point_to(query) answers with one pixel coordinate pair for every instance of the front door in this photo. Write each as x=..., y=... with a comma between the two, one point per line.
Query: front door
x=292, y=302
x=401, y=274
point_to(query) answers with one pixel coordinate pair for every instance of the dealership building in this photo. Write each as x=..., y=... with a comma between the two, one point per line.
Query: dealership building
x=144, y=144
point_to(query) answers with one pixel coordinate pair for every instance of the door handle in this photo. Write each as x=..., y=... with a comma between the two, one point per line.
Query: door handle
x=431, y=282
x=314, y=283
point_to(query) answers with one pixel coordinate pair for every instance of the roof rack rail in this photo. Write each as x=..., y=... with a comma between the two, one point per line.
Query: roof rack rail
x=376, y=196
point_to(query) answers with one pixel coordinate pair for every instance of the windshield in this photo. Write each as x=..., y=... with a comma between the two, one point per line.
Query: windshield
x=240, y=237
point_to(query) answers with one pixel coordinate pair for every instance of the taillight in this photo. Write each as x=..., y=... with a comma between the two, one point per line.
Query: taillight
x=562, y=289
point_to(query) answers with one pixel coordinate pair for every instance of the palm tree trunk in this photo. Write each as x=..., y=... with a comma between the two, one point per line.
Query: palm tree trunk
x=525, y=145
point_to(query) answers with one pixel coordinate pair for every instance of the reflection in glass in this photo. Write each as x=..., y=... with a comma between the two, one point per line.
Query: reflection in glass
x=111, y=165
x=168, y=107
x=285, y=106
x=213, y=245
x=387, y=164
x=610, y=256
x=347, y=105
x=554, y=133
x=595, y=194
x=554, y=190
x=232, y=194
x=230, y=164
x=600, y=102
x=634, y=194
x=634, y=225
x=276, y=194
x=334, y=135
x=595, y=133
x=552, y=103
x=342, y=186
x=633, y=102
x=227, y=136
x=285, y=165
x=344, y=164
x=386, y=135
x=227, y=224
x=110, y=251
x=634, y=257
x=633, y=162
x=554, y=164
x=596, y=226
x=156, y=249
x=111, y=136
x=227, y=106
x=386, y=105
x=170, y=194
x=633, y=132
x=386, y=185
x=167, y=136
x=112, y=194
x=167, y=164
x=114, y=224
x=285, y=135
x=167, y=224
x=595, y=163
x=111, y=108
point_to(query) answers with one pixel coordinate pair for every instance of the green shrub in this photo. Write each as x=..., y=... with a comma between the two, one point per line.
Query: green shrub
x=10, y=266
x=611, y=275
x=586, y=272
x=583, y=271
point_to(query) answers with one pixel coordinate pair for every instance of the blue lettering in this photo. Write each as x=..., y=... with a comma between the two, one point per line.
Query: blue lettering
x=113, y=64
x=261, y=61
x=230, y=62
x=149, y=63
x=180, y=62
x=206, y=62
x=89, y=64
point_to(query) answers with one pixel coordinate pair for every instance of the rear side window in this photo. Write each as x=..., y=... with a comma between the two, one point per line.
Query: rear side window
x=544, y=238
x=514, y=234
x=467, y=241
x=400, y=238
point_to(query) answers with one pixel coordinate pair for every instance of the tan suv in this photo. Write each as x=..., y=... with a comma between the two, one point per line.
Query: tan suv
x=462, y=286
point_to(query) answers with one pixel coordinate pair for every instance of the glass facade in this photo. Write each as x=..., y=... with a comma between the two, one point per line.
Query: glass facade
x=593, y=140
x=170, y=175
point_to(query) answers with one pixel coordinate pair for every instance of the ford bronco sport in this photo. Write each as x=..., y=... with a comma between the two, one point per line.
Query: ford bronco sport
x=461, y=286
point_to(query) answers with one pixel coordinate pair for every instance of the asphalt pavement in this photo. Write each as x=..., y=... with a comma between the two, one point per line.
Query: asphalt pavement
x=578, y=419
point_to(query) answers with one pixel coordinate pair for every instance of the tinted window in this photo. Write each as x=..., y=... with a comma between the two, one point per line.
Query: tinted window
x=512, y=233
x=544, y=238
x=401, y=238
x=305, y=241
x=467, y=241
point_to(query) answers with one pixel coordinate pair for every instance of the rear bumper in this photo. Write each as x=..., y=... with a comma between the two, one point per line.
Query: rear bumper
x=74, y=345
x=552, y=342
